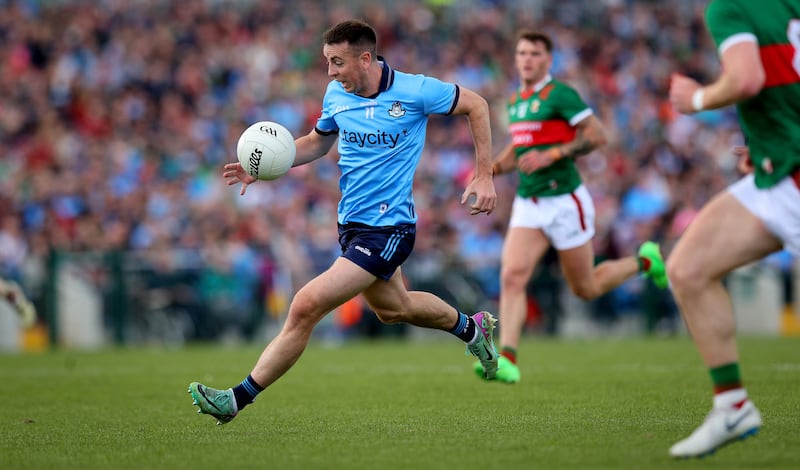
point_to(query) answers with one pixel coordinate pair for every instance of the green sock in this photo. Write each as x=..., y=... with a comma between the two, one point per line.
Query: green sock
x=510, y=353
x=644, y=264
x=726, y=377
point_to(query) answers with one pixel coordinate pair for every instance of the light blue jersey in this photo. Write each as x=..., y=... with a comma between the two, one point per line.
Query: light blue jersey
x=380, y=143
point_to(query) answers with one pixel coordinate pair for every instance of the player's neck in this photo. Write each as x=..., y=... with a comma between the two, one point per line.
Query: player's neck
x=374, y=75
x=534, y=85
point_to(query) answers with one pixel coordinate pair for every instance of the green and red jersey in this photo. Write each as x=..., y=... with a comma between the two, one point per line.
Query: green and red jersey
x=770, y=120
x=542, y=118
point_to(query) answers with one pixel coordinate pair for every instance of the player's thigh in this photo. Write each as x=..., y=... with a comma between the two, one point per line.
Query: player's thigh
x=522, y=250
x=340, y=283
x=723, y=236
x=388, y=296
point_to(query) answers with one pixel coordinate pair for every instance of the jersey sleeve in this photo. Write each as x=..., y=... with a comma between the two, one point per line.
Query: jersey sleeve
x=325, y=123
x=728, y=24
x=571, y=106
x=438, y=97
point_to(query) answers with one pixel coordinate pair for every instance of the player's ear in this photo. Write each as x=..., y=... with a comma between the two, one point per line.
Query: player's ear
x=365, y=58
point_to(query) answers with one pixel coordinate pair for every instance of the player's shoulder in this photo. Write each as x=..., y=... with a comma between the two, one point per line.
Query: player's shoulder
x=558, y=88
x=407, y=79
x=719, y=10
x=559, y=85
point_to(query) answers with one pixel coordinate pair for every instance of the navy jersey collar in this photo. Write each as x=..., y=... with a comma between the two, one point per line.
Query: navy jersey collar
x=387, y=77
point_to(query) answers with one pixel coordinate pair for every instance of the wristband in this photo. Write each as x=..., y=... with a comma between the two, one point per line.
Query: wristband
x=697, y=99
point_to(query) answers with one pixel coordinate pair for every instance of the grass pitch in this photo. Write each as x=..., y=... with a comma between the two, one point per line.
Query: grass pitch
x=391, y=405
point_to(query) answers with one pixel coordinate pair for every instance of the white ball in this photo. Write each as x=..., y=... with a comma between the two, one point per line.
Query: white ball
x=266, y=150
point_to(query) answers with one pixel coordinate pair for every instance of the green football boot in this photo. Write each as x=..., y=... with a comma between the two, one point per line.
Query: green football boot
x=221, y=404
x=507, y=371
x=657, y=271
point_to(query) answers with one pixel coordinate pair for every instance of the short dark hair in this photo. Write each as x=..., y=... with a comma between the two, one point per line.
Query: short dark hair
x=535, y=36
x=358, y=34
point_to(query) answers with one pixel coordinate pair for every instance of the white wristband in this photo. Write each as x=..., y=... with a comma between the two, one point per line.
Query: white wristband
x=697, y=99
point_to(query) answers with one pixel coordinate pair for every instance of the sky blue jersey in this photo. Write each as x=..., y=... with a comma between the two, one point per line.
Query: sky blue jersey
x=380, y=143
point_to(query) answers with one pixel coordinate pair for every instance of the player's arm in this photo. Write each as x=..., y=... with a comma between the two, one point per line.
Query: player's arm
x=476, y=109
x=742, y=77
x=310, y=147
x=589, y=135
x=313, y=146
x=505, y=161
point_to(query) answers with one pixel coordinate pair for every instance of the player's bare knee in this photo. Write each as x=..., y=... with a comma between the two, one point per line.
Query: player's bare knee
x=513, y=280
x=303, y=313
x=585, y=291
x=685, y=276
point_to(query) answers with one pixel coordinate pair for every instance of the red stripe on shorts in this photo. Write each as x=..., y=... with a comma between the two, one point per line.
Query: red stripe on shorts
x=580, y=210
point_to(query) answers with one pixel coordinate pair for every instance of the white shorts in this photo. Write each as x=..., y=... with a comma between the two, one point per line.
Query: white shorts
x=567, y=220
x=778, y=207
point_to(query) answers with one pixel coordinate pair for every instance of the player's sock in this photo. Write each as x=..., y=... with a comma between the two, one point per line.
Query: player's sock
x=465, y=328
x=509, y=353
x=728, y=389
x=246, y=392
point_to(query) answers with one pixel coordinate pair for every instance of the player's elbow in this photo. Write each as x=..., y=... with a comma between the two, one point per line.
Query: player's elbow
x=471, y=104
x=750, y=84
x=479, y=106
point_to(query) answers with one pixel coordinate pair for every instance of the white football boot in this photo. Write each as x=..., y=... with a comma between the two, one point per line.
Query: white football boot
x=721, y=426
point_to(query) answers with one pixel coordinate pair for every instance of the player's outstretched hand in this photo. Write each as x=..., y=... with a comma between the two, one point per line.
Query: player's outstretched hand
x=234, y=173
x=481, y=194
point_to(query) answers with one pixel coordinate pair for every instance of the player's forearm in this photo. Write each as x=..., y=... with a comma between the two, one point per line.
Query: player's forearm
x=588, y=138
x=742, y=77
x=727, y=90
x=505, y=161
x=476, y=109
x=482, y=136
x=310, y=147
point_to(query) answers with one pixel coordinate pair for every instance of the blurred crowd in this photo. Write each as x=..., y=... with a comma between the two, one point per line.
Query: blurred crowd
x=117, y=116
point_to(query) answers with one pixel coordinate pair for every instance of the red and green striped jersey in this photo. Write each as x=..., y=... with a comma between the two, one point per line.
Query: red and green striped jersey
x=770, y=120
x=542, y=118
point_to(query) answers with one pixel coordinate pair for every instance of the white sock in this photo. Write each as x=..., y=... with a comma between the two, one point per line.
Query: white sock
x=729, y=398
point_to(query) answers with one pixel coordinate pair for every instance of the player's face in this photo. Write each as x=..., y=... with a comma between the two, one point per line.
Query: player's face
x=345, y=67
x=532, y=61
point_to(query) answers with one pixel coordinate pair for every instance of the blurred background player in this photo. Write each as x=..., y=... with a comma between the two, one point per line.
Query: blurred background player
x=550, y=126
x=12, y=293
x=759, y=46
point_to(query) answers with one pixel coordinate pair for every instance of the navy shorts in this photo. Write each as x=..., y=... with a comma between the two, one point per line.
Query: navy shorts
x=378, y=250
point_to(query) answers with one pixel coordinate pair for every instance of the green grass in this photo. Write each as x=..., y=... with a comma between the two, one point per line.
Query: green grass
x=387, y=405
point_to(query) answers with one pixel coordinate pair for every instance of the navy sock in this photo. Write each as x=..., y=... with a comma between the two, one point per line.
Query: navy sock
x=246, y=392
x=465, y=328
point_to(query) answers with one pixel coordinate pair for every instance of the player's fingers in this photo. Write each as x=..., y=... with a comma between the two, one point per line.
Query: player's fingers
x=468, y=194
